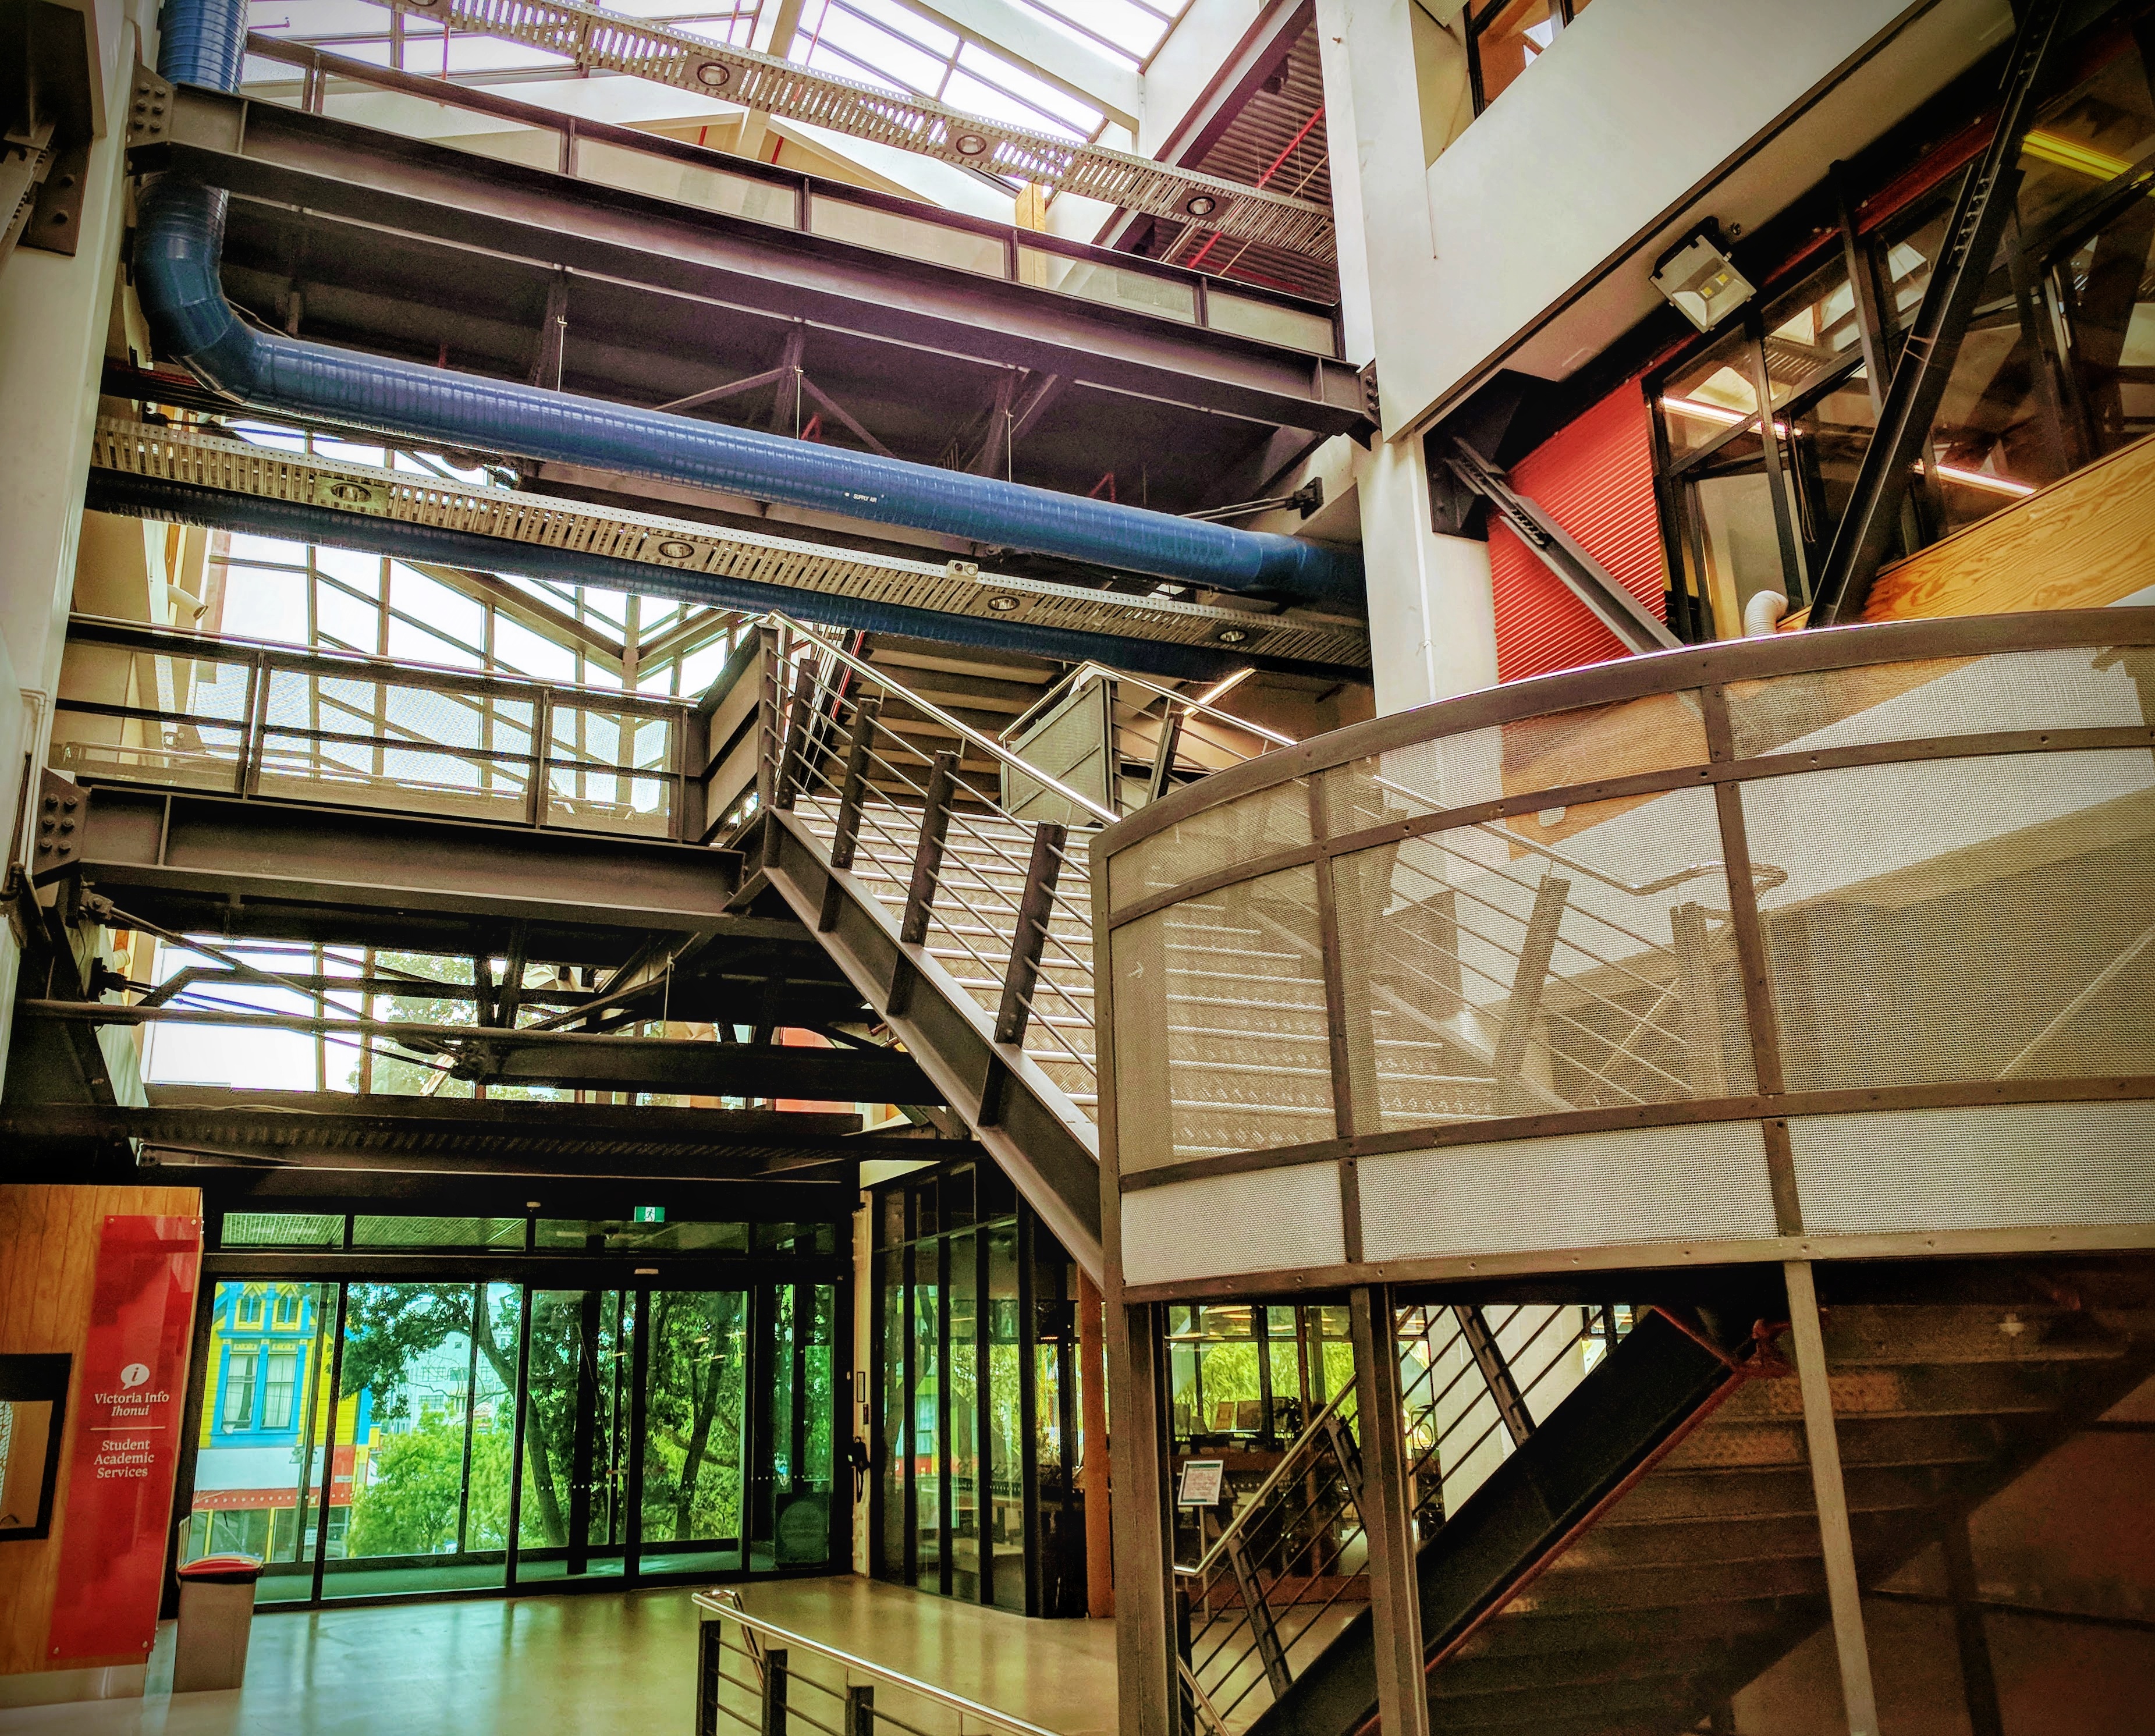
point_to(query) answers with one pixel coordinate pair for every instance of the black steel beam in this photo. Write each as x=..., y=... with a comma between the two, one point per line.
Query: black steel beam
x=1985, y=204
x=490, y=210
x=230, y=854
x=1622, y=613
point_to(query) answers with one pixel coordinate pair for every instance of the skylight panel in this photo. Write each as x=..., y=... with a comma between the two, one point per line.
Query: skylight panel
x=990, y=68
x=977, y=97
x=886, y=59
x=1131, y=29
x=900, y=20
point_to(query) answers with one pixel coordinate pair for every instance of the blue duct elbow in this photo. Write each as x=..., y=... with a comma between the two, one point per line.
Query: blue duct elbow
x=179, y=241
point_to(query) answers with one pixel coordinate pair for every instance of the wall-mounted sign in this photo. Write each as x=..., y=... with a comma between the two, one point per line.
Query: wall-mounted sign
x=130, y=1389
x=1201, y=1479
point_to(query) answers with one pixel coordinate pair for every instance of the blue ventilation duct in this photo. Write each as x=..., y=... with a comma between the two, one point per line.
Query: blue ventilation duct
x=178, y=242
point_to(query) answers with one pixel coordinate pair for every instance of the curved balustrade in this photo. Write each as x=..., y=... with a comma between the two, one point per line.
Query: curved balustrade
x=1833, y=943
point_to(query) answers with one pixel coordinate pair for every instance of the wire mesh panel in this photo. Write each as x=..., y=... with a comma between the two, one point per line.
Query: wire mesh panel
x=1564, y=748
x=1978, y=919
x=151, y=717
x=1486, y=972
x=1976, y=1168
x=1271, y=1221
x=1625, y=1186
x=1254, y=826
x=1220, y=1019
x=2085, y=688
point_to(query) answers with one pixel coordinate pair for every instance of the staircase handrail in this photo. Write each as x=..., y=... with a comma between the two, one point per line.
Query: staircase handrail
x=1243, y=1515
x=1092, y=670
x=935, y=713
x=726, y=1603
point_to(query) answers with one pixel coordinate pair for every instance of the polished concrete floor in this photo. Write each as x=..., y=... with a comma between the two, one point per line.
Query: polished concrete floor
x=597, y=1664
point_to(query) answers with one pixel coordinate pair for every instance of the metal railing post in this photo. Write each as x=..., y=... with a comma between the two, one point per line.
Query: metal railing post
x=774, y=1691
x=542, y=751
x=766, y=721
x=866, y=713
x=927, y=857
x=794, y=754
x=1029, y=940
x=860, y=1710
x=710, y=1672
x=247, y=777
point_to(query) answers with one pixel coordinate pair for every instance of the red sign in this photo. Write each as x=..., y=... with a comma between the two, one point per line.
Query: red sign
x=130, y=1391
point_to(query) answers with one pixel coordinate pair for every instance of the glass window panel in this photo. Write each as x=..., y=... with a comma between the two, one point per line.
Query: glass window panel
x=674, y=1236
x=1810, y=331
x=891, y=233
x=1148, y=292
x=424, y=1425
x=1511, y=36
x=892, y=1418
x=667, y=178
x=1298, y=328
x=1890, y=869
x=695, y=1396
x=964, y=1425
x=1006, y=1351
x=1700, y=400
x=265, y=1415
x=1738, y=540
x=927, y=1414
x=488, y=1232
x=1490, y=973
x=283, y=1230
x=572, y=1524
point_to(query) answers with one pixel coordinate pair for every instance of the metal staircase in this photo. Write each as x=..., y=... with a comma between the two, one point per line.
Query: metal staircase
x=1654, y=1545
x=882, y=822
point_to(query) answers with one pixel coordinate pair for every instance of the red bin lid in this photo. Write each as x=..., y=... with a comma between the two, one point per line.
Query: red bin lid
x=223, y=1571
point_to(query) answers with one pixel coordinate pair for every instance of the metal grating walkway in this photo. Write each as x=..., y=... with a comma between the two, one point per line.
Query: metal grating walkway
x=954, y=588
x=593, y=37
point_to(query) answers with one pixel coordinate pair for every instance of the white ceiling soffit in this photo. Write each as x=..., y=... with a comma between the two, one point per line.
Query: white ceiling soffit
x=1924, y=50
x=594, y=37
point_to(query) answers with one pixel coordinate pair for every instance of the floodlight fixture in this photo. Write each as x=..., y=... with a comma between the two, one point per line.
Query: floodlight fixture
x=1701, y=281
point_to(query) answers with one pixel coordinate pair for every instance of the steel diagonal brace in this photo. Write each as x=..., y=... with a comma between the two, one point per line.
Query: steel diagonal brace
x=1987, y=200
x=1592, y=583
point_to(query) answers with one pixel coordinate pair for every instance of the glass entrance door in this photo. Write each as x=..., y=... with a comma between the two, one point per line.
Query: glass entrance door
x=572, y=1514
x=695, y=1440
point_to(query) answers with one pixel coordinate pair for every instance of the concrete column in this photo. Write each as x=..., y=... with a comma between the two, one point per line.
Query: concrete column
x=55, y=313
x=1432, y=625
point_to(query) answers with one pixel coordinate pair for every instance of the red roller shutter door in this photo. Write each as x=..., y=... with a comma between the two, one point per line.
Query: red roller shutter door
x=1595, y=478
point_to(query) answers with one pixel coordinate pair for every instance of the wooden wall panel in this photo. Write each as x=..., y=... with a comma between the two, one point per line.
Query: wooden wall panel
x=48, y=1241
x=2079, y=543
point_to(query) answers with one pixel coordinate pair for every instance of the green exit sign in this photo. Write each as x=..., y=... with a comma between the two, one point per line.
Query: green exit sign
x=650, y=1214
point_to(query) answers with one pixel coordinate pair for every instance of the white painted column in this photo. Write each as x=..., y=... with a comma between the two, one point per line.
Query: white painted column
x=54, y=314
x=1432, y=625
x=1432, y=630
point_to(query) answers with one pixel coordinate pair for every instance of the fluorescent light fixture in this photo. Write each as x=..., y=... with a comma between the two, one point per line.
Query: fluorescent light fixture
x=1699, y=280
x=1224, y=684
x=1983, y=479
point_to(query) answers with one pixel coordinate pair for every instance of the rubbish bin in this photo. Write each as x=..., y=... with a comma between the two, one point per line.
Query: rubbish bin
x=217, y=1609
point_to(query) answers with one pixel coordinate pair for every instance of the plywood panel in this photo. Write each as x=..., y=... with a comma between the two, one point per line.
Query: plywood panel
x=2079, y=543
x=49, y=1241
